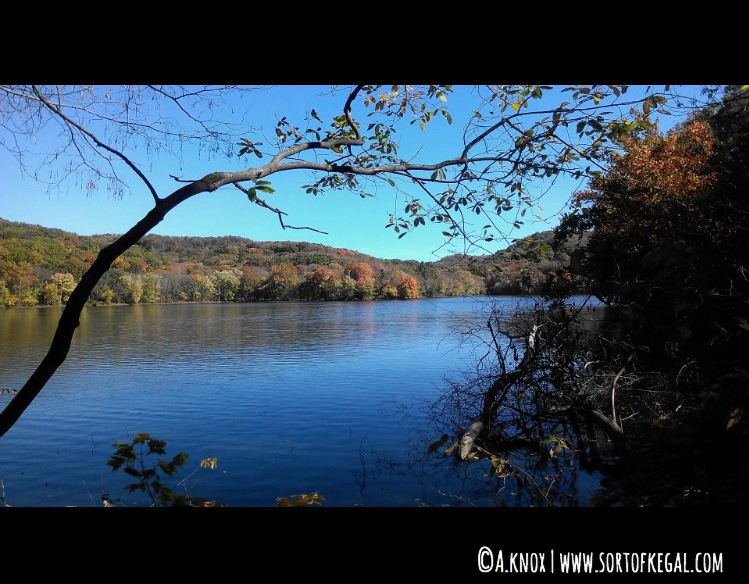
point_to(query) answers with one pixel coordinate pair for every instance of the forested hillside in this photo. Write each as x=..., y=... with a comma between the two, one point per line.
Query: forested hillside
x=41, y=266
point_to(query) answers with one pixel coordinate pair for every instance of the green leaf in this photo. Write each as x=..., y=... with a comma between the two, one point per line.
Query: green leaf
x=156, y=446
x=180, y=459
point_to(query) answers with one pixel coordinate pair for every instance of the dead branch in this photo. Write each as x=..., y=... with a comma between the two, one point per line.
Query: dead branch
x=260, y=202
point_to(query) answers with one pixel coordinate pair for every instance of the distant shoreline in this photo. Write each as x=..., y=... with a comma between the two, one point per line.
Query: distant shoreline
x=352, y=300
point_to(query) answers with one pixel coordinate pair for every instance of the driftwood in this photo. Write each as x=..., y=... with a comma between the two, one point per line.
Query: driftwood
x=500, y=387
x=505, y=381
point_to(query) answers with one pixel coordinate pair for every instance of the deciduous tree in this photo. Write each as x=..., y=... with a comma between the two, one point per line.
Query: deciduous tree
x=64, y=284
x=668, y=223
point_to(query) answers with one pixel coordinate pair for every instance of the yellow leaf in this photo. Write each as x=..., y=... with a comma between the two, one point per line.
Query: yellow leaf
x=300, y=500
x=736, y=414
x=209, y=463
x=499, y=464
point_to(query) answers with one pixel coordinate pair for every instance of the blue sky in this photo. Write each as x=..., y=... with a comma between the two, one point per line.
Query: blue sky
x=351, y=221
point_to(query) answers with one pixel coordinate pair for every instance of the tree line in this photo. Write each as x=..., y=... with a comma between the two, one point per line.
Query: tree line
x=41, y=266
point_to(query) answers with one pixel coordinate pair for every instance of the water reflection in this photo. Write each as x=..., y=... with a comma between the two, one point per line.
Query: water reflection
x=336, y=398
x=510, y=433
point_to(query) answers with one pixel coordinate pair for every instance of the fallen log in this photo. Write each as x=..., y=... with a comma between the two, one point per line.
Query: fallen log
x=502, y=384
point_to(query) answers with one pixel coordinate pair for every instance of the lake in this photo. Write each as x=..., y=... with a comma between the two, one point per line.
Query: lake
x=289, y=397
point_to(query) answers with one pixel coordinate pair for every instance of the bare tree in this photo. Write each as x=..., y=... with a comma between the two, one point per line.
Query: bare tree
x=509, y=155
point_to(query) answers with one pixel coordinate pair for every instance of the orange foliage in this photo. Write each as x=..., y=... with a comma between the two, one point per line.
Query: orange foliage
x=674, y=165
x=408, y=288
x=361, y=272
x=658, y=183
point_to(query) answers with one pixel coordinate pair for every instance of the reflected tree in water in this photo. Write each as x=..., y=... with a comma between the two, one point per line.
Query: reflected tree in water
x=548, y=400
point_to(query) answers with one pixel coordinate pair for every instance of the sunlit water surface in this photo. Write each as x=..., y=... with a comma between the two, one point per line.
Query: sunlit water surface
x=289, y=397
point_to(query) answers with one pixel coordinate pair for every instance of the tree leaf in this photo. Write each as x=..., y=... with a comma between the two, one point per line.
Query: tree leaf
x=211, y=462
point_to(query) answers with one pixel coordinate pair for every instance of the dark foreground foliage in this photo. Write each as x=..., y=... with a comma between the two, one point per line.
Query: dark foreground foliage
x=136, y=459
x=654, y=390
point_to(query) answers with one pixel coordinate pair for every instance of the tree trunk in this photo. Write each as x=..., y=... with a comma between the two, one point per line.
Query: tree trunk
x=70, y=319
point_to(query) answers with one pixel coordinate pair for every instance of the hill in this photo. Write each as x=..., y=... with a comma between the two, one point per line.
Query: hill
x=41, y=265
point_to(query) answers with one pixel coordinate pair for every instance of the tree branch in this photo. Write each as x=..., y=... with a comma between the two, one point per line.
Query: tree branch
x=258, y=201
x=57, y=111
x=347, y=110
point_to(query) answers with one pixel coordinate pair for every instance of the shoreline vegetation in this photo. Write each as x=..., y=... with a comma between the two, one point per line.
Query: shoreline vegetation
x=41, y=266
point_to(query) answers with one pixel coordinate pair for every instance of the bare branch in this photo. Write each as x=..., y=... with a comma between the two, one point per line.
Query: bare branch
x=260, y=202
x=56, y=110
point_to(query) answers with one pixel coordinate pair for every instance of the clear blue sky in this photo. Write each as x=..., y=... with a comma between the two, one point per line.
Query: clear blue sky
x=352, y=222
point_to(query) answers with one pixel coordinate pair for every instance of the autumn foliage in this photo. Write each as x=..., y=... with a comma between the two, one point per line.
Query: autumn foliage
x=667, y=225
x=164, y=269
x=672, y=167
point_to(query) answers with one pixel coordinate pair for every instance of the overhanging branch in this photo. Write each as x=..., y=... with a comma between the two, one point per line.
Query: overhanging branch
x=260, y=202
x=57, y=111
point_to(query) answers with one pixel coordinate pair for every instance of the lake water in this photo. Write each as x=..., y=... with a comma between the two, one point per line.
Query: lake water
x=289, y=397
